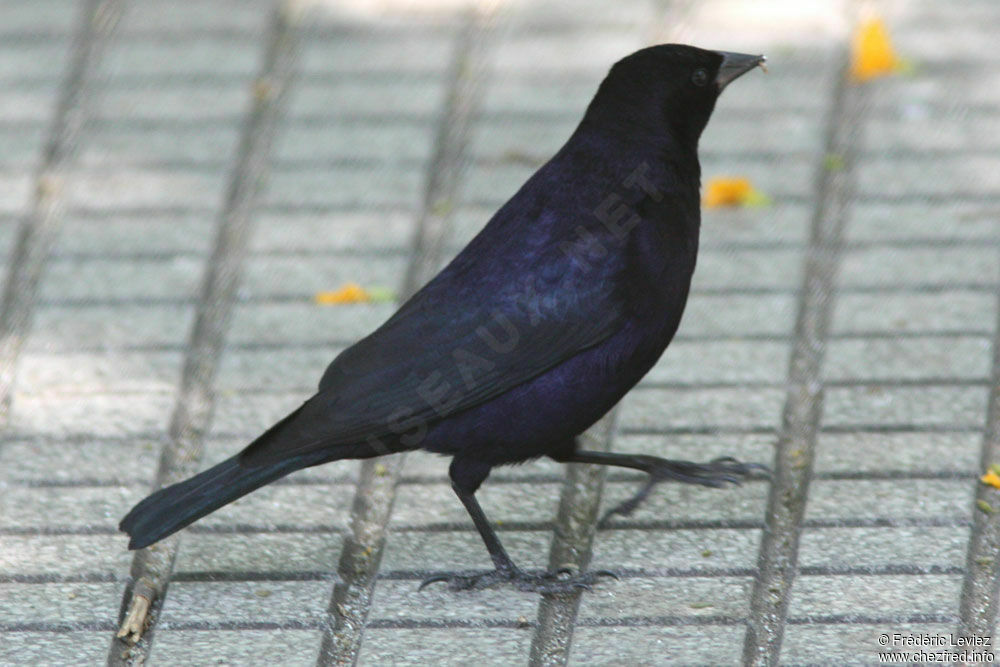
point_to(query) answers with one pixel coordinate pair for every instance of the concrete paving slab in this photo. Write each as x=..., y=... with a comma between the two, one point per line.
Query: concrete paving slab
x=122, y=279
x=674, y=503
x=123, y=234
x=289, y=553
x=65, y=507
x=937, y=267
x=354, y=232
x=241, y=646
x=58, y=603
x=693, y=362
x=860, y=500
x=64, y=556
x=269, y=369
x=916, y=406
x=493, y=646
x=285, y=602
x=121, y=325
x=48, y=16
x=83, y=647
x=874, y=596
x=902, y=222
x=685, y=550
x=37, y=462
x=396, y=600
x=700, y=644
x=965, y=358
x=866, y=453
x=97, y=415
x=883, y=549
x=697, y=598
x=269, y=276
x=735, y=315
x=946, y=310
x=649, y=408
x=301, y=321
x=112, y=372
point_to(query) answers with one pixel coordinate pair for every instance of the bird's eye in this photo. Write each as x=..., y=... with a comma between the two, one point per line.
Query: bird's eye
x=699, y=77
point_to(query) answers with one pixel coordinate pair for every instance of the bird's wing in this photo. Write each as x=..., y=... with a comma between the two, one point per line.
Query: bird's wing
x=470, y=335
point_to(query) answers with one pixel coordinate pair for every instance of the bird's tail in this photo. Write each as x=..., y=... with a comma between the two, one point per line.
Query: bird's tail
x=174, y=507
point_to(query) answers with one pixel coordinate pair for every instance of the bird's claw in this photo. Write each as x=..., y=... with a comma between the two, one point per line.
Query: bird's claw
x=433, y=580
x=560, y=581
x=716, y=473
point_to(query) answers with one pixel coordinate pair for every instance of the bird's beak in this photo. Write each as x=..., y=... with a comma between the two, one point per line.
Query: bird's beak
x=735, y=65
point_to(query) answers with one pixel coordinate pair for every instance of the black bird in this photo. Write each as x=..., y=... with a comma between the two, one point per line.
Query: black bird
x=535, y=330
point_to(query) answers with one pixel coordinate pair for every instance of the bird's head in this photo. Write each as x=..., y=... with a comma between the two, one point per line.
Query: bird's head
x=666, y=89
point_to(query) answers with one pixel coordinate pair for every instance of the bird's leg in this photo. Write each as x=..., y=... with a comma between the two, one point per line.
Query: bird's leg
x=506, y=571
x=716, y=473
x=498, y=554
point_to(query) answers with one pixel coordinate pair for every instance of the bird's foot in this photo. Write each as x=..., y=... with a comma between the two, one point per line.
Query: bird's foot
x=560, y=581
x=716, y=473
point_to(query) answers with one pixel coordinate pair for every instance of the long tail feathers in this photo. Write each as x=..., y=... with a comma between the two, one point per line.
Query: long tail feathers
x=174, y=507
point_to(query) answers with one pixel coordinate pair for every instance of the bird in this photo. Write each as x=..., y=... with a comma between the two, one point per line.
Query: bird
x=563, y=301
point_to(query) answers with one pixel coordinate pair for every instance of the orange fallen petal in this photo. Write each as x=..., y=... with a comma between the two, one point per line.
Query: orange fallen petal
x=872, y=54
x=726, y=192
x=349, y=293
x=731, y=192
x=991, y=478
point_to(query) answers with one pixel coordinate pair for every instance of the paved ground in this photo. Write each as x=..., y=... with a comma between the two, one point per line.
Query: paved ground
x=846, y=334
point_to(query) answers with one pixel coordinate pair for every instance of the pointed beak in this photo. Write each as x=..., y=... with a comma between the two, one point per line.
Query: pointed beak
x=735, y=65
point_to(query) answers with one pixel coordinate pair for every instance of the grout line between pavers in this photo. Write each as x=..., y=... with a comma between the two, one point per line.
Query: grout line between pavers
x=978, y=603
x=801, y=419
x=364, y=544
x=572, y=546
x=191, y=419
x=41, y=224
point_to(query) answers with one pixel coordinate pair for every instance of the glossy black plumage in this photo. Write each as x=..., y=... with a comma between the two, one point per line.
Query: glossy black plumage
x=541, y=324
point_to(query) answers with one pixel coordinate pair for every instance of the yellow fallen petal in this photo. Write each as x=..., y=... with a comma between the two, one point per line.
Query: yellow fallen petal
x=349, y=293
x=991, y=478
x=872, y=54
x=727, y=191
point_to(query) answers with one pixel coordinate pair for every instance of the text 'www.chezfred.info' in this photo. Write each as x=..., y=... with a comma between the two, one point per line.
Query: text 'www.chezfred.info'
x=904, y=648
